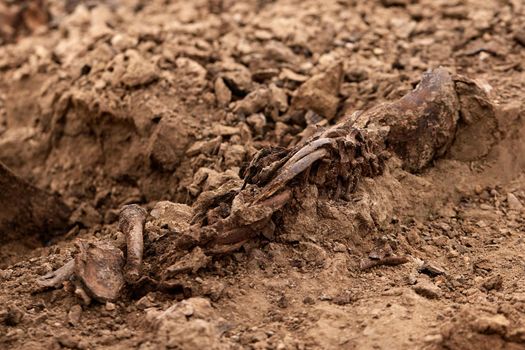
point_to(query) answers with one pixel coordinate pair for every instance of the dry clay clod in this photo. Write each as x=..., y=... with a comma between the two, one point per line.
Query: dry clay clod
x=20, y=17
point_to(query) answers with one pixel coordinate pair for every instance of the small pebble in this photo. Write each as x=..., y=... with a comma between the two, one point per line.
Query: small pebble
x=513, y=202
x=427, y=289
x=74, y=314
x=308, y=300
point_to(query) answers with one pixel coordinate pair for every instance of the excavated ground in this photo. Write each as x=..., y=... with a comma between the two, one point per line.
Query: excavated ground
x=115, y=102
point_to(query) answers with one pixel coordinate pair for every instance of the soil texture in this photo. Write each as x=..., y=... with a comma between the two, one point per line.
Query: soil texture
x=395, y=232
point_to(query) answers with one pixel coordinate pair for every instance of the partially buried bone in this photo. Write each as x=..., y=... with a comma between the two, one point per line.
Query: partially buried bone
x=54, y=279
x=97, y=270
x=131, y=223
x=418, y=128
x=422, y=124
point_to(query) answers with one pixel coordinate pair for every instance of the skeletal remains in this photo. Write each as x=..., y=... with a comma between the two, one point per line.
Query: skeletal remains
x=417, y=128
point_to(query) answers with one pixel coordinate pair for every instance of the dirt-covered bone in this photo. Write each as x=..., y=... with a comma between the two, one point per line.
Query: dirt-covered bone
x=149, y=102
x=131, y=223
x=54, y=279
x=417, y=128
x=98, y=269
x=421, y=125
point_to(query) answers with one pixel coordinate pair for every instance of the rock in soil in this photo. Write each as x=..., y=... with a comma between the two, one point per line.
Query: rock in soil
x=427, y=289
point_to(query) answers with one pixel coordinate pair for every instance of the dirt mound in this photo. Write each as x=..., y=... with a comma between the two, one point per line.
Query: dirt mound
x=281, y=168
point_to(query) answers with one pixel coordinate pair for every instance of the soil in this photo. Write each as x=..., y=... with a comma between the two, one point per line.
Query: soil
x=109, y=103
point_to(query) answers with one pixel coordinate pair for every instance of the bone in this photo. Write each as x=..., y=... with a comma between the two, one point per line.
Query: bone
x=131, y=223
x=418, y=128
x=55, y=279
x=307, y=149
x=422, y=124
x=291, y=172
x=98, y=271
x=240, y=228
x=352, y=149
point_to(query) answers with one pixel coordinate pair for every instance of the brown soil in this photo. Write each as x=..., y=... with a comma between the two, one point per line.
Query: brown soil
x=109, y=103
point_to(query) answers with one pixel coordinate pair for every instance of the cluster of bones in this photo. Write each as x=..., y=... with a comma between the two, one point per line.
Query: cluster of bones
x=417, y=128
